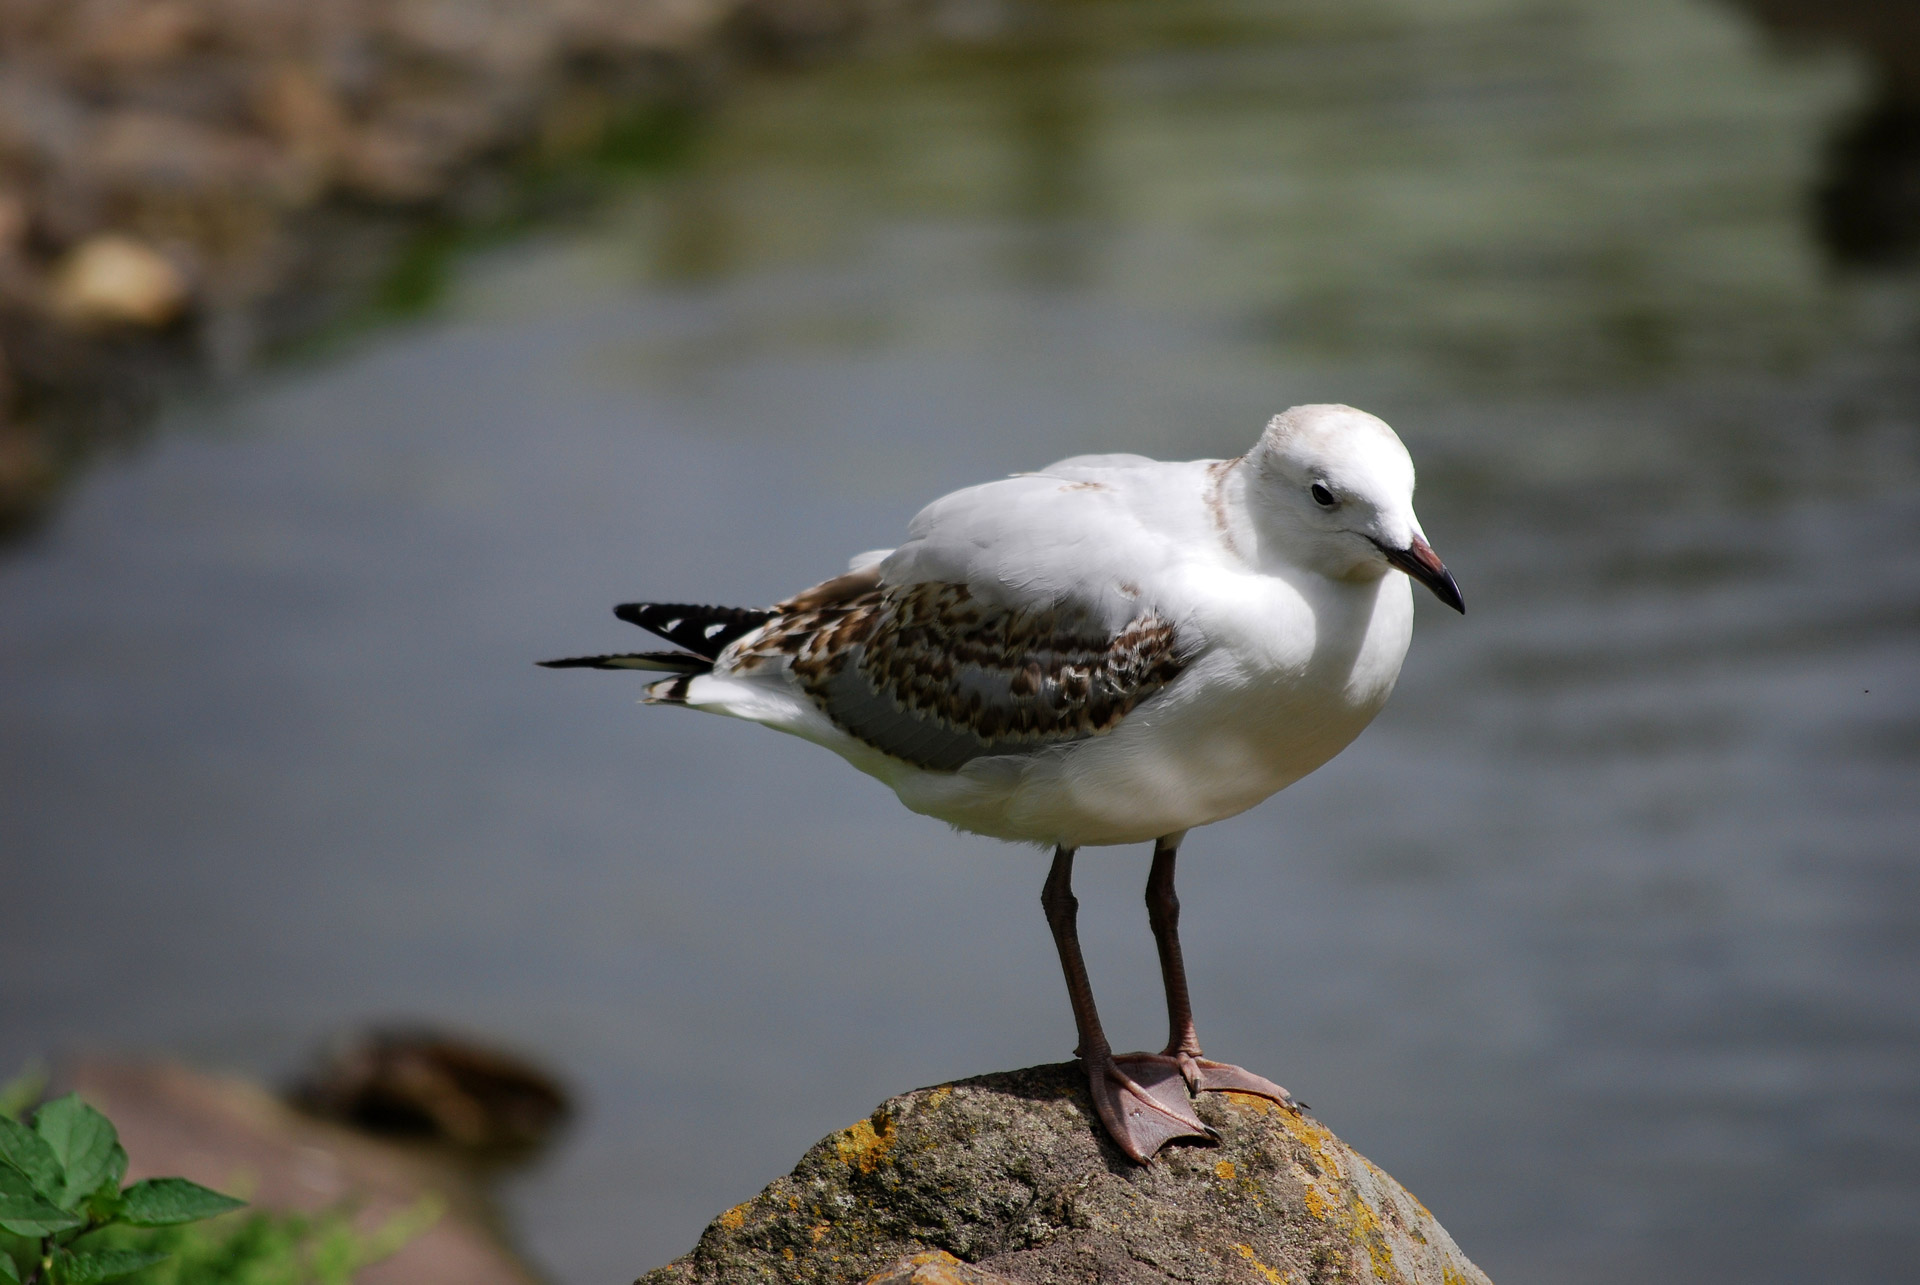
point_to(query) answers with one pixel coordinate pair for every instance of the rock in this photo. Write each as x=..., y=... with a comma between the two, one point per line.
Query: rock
x=136, y=154
x=427, y=1084
x=278, y=152
x=115, y=280
x=231, y=1134
x=1012, y=1177
x=121, y=35
x=27, y=469
x=300, y=109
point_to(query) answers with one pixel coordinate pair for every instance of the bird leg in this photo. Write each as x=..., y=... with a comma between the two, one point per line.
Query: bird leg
x=1144, y=1111
x=1183, y=1044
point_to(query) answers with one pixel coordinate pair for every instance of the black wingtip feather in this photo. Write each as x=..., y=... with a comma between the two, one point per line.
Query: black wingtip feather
x=702, y=630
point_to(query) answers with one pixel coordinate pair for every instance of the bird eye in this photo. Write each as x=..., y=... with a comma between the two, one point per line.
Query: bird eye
x=1322, y=496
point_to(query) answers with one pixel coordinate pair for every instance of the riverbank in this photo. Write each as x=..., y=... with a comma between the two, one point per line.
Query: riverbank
x=185, y=184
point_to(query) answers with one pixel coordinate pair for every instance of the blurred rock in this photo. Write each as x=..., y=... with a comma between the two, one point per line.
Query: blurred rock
x=27, y=472
x=248, y=138
x=308, y=120
x=13, y=225
x=128, y=34
x=235, y=1136
x=1009, y=1178
x=116, y=280
x=789, y=30
x=1867, y=205
x=424, y=1084
x=26, y=475
x=136, y=151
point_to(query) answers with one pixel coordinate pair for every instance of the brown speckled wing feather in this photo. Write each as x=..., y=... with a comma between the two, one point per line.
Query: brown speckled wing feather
x=930, y=674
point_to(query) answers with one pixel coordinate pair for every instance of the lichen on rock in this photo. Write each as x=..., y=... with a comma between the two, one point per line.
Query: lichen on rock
x=1009, y=1177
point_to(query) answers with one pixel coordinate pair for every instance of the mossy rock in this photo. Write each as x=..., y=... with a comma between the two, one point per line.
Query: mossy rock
x=1011, y=1175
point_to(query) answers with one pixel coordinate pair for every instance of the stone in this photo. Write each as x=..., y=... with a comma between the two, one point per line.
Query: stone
x=116, y=280
x=414, y=1082
x=254, y=166
x=1009, y=1178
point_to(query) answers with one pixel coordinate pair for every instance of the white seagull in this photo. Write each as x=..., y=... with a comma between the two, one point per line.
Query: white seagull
x=1110, y=650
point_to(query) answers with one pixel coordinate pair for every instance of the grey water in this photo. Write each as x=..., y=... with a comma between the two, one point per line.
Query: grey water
x=1605, y=939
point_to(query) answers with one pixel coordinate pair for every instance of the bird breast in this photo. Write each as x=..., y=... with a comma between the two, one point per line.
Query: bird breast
x=1290, y=682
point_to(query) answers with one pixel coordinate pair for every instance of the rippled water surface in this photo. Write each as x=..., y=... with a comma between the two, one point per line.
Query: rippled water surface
x=1605, y=939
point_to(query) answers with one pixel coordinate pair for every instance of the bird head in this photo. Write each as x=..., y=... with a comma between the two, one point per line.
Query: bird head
x=1332, y=487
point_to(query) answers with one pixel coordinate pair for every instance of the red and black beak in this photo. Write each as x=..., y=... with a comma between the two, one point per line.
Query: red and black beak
x=1423, y=564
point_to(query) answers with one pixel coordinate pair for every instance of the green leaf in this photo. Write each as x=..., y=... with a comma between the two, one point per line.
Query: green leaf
x=161, y=1202
x=8, y=1271
x=83, y=1139
x=25, y=1212
x=28, y=1152
x=91, y=1266
x=103, y=1206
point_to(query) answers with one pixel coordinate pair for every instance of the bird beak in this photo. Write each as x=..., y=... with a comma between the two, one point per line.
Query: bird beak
x=1423, y=564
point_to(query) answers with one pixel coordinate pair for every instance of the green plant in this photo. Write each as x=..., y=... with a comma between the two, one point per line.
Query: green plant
x=42, y=1227
x=278, y=1248
x=60, y=1187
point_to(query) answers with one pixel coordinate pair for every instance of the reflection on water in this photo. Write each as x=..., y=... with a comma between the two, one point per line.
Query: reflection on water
x=1603, y=940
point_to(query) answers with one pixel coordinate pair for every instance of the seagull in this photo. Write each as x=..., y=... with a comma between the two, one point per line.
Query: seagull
x=1110, y=650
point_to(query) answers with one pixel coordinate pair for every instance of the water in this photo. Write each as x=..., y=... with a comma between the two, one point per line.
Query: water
x=1605, y=939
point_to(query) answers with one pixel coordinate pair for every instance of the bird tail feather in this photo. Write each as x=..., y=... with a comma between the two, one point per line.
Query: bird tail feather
x=701, y=632
x=669, y=662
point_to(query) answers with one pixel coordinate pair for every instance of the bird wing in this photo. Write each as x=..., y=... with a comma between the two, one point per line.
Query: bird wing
x=1084, y=533
x=1013, y=619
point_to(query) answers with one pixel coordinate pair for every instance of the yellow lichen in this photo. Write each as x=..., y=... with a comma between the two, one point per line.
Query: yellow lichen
x=1224, y=1171
x=939, y=1095
x=1246, y=1252
x=1335, y=1202
x=1266, y=1106
x=734, y=1218
x=863, y=1147
x=1366, y=1231
x=818, y=1230
x=1319, y=1140
x=1357, y=1222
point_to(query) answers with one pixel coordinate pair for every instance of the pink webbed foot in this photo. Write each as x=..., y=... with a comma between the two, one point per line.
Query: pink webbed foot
x=1203, y=1076
x=1144, y=1106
